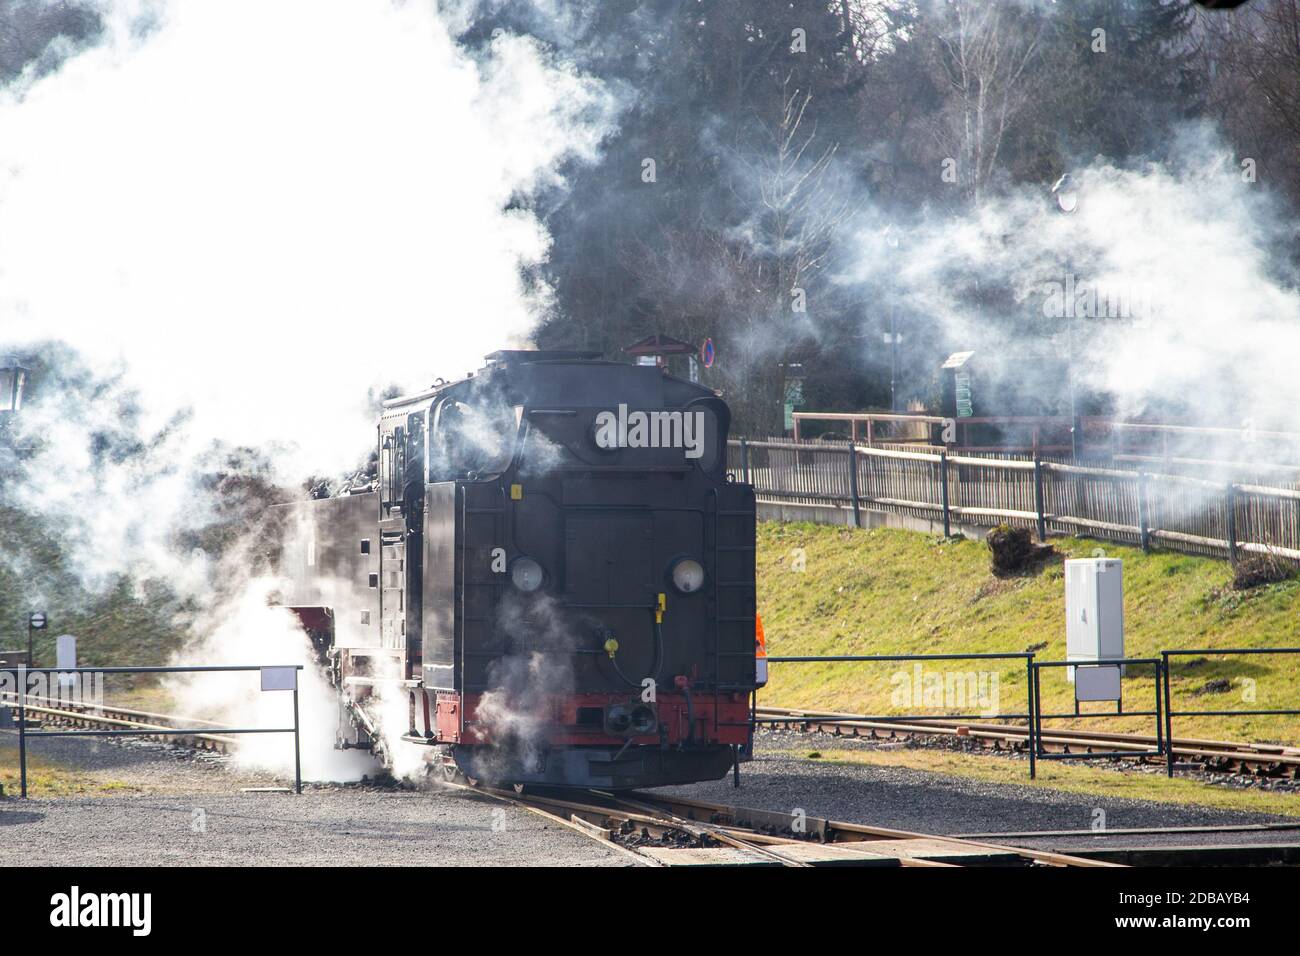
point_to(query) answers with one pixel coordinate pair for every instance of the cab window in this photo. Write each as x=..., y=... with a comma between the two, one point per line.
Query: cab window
x=471, y=438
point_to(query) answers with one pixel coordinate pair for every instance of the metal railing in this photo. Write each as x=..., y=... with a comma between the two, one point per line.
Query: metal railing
x=1170, y=713
x=1036, y=745
x=1026, y=656
x=22, y=693
x=1162, y=714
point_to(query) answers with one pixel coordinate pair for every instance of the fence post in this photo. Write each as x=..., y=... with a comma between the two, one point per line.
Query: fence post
x=744, y=460
x=1230, y=507
x=1038, y=499
x=297, y=752
x=22, y=732
x=943, y=482
x=1036, y=734
x=1143, y=522
x=1029, y=691
x=1160, y=724
x=853, y=485
x=1169, y=720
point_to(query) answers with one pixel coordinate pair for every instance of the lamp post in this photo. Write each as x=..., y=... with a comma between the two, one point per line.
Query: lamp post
x=1066, y=197
x=892, y=337
x=13, y=378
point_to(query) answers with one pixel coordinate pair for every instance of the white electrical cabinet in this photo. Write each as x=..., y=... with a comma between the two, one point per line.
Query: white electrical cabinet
x=1094, y=610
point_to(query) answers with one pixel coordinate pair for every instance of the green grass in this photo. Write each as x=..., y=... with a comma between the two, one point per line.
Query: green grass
x=48, y=779
x=889, y=591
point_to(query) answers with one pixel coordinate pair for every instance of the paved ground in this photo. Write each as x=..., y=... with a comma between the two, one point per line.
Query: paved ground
x=188, y=809
x=322, y=827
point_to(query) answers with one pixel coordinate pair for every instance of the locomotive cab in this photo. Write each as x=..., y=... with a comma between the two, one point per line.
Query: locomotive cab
x=565, y=581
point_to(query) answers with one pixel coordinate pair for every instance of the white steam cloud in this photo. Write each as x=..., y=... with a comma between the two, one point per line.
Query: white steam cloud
x=266, y=209
x=1192, y=252
x=262, y=213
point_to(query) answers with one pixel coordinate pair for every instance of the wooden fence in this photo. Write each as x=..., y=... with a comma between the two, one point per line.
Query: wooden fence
x=1176, y=511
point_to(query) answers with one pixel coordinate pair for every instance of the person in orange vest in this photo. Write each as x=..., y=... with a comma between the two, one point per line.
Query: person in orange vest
x=760, y=652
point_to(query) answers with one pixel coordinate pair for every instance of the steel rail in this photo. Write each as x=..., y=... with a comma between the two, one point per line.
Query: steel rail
x=120, y=721
x=838, y=832
x=1277, y=759
x=112, y=708
x=607, y=817
x=1133, y=831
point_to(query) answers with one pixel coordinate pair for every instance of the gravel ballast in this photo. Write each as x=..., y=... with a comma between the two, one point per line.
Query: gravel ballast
x=925, y=802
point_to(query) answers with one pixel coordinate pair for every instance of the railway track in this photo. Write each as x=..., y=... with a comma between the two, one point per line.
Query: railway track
x=60, y=713
x=657, y=830
x=653, y=829
x=1220, y=756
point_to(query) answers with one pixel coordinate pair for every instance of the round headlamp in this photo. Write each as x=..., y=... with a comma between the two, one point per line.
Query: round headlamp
x=688, y=575
x=526, y=574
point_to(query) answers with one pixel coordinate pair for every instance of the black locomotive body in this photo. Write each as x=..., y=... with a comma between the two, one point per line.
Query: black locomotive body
x=553, y=569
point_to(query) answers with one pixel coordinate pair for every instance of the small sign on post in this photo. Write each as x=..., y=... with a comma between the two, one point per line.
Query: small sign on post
x=36, y=621
x=65, y=659
x=1097, y=683
x=279, y=678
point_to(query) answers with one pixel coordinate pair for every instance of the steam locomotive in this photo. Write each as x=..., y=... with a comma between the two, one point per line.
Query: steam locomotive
x=552, y=572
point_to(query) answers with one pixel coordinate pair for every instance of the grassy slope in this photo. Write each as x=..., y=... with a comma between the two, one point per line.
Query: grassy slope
x=899, y=592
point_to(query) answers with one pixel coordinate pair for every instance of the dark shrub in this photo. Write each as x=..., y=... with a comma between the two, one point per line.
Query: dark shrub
x=1013, y=551
x=1253, y=570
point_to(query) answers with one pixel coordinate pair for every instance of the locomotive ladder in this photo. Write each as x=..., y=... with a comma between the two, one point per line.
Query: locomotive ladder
x=474, y=578
x=734, y=523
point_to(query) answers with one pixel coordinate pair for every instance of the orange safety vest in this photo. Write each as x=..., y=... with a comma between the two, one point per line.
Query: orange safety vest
x=760, y=652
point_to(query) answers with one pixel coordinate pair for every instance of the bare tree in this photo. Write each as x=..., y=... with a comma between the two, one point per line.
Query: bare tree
x=1252, y=58
x=752, y=281
x=870, y=26
x=801, y=205
x=987, y=54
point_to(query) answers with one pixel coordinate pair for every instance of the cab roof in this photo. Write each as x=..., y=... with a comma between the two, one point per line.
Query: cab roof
x=538, y=374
